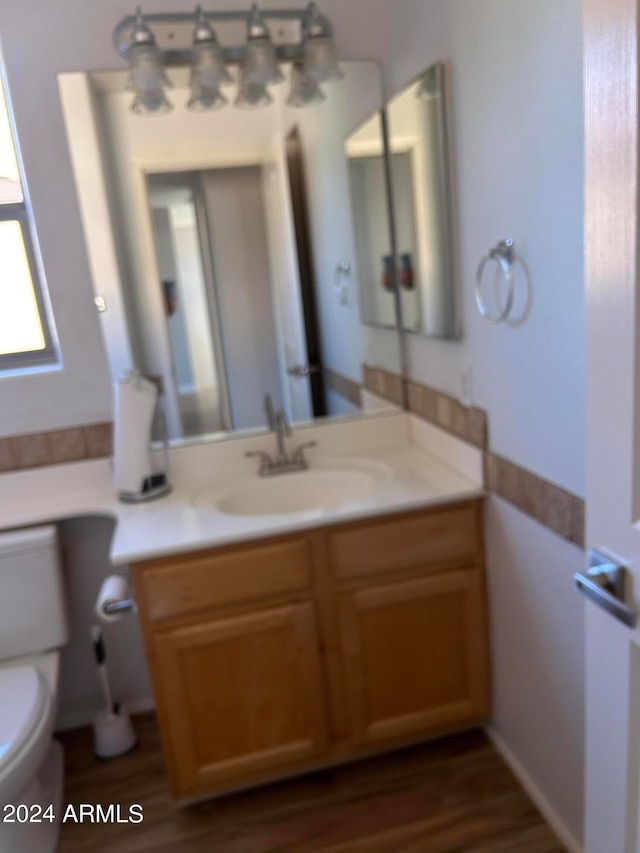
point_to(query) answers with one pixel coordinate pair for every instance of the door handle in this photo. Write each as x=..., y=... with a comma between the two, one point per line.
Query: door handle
x=301, y=371
x=604, y=584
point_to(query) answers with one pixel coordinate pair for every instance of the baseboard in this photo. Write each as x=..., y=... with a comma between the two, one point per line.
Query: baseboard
x=538, y=798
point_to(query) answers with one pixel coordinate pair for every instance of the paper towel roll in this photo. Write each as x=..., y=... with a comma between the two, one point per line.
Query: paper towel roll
x=114, y=588
x=135, y=401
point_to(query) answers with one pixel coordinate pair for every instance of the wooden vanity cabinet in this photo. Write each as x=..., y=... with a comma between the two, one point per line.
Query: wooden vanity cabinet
x=275, y=657
x=413, y=660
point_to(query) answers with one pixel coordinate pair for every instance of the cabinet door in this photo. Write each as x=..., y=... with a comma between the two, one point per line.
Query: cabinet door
x=241, y=696
x=416, y=656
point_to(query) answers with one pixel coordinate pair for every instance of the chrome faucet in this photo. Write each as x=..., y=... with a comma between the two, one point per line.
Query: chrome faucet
x=283, y=432
x=283, y=463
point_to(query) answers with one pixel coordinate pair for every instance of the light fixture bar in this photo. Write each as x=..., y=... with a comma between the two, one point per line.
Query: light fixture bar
x=304, y=40
x=122, y=35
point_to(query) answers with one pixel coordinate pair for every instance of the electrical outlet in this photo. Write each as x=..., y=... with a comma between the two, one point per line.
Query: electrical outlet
x=466, y=386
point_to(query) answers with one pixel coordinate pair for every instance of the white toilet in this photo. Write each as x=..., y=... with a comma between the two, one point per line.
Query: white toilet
x=33, y=627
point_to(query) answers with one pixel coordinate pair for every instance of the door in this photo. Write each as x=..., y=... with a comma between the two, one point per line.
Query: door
x=415, y=658
x=285, y=283
x=239, y=257
x=300, y=206
x=612, y=649
x=243, y=696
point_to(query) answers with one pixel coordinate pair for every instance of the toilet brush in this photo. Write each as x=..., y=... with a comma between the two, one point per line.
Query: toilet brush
x=113, y=733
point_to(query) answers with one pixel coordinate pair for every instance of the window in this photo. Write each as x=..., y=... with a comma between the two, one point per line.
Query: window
x=25, y=338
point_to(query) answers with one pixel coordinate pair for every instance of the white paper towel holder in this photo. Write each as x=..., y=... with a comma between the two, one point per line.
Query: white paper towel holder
x=155, y=486
x=152, y=485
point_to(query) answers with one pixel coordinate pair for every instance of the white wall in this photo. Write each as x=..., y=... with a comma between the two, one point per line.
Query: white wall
x=516, y=92
x=517, y=136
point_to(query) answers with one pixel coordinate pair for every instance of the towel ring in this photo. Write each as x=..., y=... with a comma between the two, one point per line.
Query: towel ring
x=504, y=254
x=342, y=282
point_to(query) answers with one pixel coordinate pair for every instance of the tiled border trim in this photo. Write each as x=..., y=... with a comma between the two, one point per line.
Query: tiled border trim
x=36, y=449
x=384, y=383
x=551, y=505
x=345, y=387
x=547, y=503
x=466, y=422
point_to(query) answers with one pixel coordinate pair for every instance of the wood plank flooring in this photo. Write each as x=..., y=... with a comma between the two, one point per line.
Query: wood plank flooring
x=452, y=795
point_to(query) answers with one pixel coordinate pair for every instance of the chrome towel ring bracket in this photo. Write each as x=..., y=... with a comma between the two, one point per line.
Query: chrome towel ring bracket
x=504, y=254
x=342, y=283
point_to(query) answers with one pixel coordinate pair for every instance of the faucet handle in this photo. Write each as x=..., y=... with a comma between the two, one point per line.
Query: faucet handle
x=266, y=462
x=298, y=453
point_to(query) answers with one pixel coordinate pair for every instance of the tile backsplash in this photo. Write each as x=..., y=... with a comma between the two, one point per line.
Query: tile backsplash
x=36, y=449
x=550, y=504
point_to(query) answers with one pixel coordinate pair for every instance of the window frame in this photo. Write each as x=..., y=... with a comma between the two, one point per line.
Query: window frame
x=20, y=212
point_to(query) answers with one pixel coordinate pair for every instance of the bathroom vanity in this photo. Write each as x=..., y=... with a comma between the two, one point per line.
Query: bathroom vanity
x=279, y=655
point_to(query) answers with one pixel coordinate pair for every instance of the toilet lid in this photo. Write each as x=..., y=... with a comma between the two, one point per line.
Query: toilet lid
x=23, y=702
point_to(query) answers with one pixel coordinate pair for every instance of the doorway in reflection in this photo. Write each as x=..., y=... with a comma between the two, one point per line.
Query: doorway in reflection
x=225, y=297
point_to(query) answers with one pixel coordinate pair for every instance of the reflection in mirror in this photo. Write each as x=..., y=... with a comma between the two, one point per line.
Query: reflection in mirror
x=223, y=246
x=365, y=150
x=423, y=206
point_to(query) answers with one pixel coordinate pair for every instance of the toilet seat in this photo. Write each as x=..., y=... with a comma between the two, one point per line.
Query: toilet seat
x=26, y=709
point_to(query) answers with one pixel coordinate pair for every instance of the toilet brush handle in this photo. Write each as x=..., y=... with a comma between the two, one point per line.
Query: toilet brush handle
x=101, y=660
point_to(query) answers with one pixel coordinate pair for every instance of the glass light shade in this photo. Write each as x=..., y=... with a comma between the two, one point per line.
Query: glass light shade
x=321, y=59
x=204, y=98
x=146, y=71
x=208, y=65
x=151, y=103
x=320, y=56
x=305, y=92
x=252, y=96
x=261, y=62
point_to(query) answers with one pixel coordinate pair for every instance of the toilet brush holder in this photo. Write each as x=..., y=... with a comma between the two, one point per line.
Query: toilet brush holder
x=113, y=734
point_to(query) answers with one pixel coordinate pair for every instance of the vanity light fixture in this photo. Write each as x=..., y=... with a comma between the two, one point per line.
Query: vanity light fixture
x=305, y=92
x=304, y=40
x=320, y=55
x=208, y=68
x=261, y=62
x=146, y=72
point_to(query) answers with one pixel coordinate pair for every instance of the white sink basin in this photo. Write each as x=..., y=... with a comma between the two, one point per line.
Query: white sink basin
x=323, y=486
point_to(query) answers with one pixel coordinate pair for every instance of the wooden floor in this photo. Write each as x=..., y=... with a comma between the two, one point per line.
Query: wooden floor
x=453, y=795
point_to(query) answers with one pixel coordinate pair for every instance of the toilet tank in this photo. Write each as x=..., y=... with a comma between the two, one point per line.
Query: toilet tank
x=33, y=615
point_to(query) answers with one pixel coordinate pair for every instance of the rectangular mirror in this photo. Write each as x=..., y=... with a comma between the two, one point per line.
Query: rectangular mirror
x=223, y=249
x=366, y=153
x=423, y=205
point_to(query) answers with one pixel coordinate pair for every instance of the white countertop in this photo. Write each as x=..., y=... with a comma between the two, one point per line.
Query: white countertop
x=416, y=478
